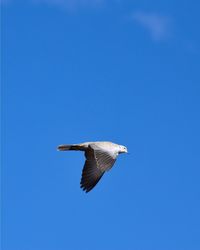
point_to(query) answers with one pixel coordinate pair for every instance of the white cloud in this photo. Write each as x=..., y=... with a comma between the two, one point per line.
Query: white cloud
x=157, y=25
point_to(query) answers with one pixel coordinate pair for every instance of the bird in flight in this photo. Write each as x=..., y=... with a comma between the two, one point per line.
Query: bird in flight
x=100, y=157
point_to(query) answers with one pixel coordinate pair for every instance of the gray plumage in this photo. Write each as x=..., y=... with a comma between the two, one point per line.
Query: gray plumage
x=100, y=157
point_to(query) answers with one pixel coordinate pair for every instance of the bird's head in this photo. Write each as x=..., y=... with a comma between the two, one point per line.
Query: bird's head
x=122, y=149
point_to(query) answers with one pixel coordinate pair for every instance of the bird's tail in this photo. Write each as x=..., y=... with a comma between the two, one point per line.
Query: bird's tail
x=66, y=147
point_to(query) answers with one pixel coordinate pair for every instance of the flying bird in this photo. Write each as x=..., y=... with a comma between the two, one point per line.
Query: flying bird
x=100, y=157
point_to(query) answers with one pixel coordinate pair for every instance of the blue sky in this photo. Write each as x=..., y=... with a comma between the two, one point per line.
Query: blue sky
x=123, y=71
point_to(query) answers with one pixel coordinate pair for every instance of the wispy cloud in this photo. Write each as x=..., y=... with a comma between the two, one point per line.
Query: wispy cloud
x=157, y=25
x=70, y=4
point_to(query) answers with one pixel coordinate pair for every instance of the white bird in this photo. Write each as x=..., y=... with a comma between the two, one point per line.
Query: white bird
x=100, y=157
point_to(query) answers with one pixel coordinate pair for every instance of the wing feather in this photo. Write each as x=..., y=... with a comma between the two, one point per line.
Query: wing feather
x=97, y=162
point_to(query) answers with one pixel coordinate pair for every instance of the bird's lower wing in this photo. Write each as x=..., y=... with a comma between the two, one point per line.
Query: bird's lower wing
x=104, y=160
x=91, y=174
x=97, y=162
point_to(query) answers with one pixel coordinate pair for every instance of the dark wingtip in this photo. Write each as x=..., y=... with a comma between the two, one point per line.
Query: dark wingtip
x=85, y=188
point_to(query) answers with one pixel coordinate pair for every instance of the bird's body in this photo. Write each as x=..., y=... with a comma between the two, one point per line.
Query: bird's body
x=100, y=157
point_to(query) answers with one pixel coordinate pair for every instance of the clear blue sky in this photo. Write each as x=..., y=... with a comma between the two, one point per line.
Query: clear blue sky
x=123, y=71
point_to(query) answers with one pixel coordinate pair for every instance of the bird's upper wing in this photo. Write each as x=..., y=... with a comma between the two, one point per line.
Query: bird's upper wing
x=97, y=162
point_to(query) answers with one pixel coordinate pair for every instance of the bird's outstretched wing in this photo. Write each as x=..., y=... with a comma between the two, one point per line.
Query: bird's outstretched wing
x=97, y=162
